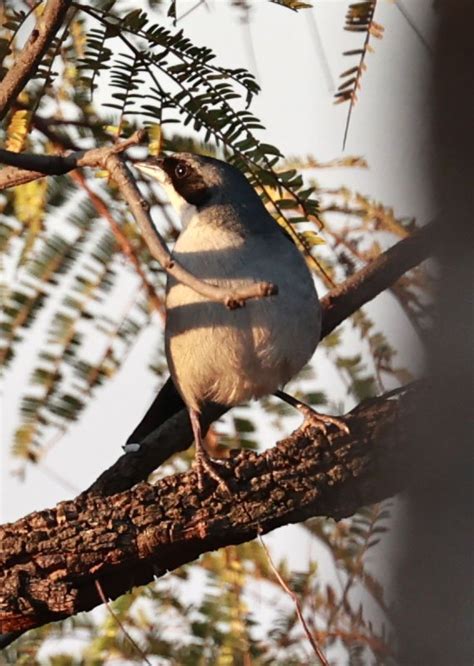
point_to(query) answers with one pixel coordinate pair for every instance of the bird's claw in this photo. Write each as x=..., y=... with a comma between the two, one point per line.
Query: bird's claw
x=313, y=419
x=204, y=465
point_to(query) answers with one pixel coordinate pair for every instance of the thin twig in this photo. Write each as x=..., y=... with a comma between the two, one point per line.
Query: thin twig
x=58, y=478
x=252, y=56
x=232, y=299
x=191, y=10
x=124, y=243
x=120, y=624
x=28, y=166
x=317, y=650
x=107, y=158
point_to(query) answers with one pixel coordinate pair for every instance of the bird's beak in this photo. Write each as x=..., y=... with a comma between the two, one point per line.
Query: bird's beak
x=152, y=168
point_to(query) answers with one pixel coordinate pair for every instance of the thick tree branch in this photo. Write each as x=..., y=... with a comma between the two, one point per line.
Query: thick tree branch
x=32, y=53
x=51, y=559
x=378, y=275
x=108, y=158
x=173, y=431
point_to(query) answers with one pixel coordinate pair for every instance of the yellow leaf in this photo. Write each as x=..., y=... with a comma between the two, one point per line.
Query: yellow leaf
x=17, y=130
x=311, y=238
x=156, y=139
x=79, y=38
x=24, y=97
x=29, y=205
x=30, y=200
x=111, y=129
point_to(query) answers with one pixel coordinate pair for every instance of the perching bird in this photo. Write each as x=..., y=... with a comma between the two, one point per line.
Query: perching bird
x=229, y=239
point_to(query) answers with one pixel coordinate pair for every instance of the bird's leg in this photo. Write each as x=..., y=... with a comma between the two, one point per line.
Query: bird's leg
x=311, y=417
x=202, y=459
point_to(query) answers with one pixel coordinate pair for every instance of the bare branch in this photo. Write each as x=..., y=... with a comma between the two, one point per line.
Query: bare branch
x=120, y=624
x=378, y=275
x=299, y=611
x=32, y=52
x=107, y=158
x=25, y=167
x=124, y=243
x=139, y=208
x=50, y=560
x=44, y=165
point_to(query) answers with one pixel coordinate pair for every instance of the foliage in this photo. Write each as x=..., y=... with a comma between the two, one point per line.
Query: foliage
x=70, y=248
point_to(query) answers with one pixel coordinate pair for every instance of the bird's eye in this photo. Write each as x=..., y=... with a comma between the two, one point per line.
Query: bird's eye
x=181, y=170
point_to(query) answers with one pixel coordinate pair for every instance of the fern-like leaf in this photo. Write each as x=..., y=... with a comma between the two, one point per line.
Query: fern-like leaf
x=359, y=18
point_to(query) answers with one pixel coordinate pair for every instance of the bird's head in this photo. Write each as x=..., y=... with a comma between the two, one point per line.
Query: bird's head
x=194, y=183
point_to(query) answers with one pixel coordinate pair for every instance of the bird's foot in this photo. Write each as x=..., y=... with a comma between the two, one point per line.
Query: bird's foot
x=205, y=466
x=313, y=419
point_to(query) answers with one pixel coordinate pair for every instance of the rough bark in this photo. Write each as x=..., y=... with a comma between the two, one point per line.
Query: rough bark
x=51, y=559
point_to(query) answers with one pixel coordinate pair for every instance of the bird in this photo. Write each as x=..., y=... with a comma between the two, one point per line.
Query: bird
x=216, y=354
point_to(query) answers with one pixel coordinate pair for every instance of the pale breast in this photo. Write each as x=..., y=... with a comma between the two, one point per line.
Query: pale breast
x=230, y=356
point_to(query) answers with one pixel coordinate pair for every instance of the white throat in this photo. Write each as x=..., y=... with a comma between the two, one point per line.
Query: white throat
x=185, y=210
